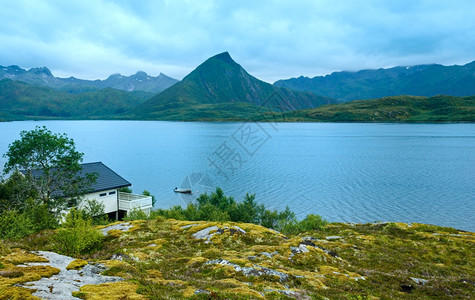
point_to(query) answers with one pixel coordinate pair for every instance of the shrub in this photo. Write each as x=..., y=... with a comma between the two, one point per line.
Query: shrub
x=94, y=210
x=15, y=225
x=125, y=189
x=217, y=207
x=136, y=214
x=147, y=193
x=40, y=216
x=77, y=235
x=312, y=222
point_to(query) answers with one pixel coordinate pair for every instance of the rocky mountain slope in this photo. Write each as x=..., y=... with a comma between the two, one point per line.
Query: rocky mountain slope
x=221, y=80
x=421, y=80
x=140, y=81
x=20, y=101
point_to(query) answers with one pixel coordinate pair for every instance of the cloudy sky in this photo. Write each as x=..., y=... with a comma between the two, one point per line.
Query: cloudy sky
x=92, y=39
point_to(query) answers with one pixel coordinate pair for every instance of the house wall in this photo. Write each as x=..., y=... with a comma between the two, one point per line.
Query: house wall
x=109, y=200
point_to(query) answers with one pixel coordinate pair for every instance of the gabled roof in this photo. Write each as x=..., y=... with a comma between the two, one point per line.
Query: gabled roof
x=106, y=178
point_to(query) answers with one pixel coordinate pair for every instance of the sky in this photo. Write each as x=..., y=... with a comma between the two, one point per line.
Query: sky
x=274, y=39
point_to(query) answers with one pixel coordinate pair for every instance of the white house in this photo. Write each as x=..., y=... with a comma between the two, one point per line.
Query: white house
x=106, y=190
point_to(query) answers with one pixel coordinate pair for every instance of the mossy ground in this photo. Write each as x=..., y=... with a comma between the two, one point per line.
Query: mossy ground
x=13, y=272
x=161, y=259
x=77, y=264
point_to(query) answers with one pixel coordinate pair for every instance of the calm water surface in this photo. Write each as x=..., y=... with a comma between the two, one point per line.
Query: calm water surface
x=344, y=172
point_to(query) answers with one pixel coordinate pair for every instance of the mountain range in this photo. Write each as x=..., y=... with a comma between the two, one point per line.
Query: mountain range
x=20, y=101
x=421, y=80
x=221, y=90
x=221, y=81
x=140, y=81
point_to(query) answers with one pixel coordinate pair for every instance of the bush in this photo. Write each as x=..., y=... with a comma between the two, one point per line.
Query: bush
x=125, y=189
x=218, y=207
x=94, y=210
x=312, y=222
x=40, y=216
x=77, y=236
x=136, y=214
x=35, y=217
x=147, y=193
x=15, y=225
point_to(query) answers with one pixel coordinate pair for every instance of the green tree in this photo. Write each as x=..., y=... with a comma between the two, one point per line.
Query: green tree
x=147, y=193
x=125, y=189
x=51, y=165
x=14, y=191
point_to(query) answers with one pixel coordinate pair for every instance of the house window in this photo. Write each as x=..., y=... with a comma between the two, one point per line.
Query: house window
x=102, y=194
x=112, y=193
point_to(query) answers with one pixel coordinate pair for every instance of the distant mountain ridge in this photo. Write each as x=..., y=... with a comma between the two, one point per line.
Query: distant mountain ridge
x=221, y=80
x=140, y=81
x=421, y=80
x=22, y=101
x=219, y=89
x=408, y=109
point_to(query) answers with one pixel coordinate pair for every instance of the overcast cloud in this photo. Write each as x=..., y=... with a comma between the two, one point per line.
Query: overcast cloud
x=273, y=40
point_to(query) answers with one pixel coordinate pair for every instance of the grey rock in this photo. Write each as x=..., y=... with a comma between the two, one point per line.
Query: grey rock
x=419, y=281
x=205, y=234
x=269, y=255
x=122, y=227
x=333, y=238
x=121, y=257
x=239, y=229
x=188, y=226
x=61, y=285
x=201, y=291
x=248, y=271
x=297, y=250
x=283, y=292
x=310, y=242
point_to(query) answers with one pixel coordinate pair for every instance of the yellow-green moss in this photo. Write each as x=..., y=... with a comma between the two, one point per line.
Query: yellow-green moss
x=27, y=274
x=387, y=254
x=196, y=260
x=20, y=256
x=17, y=293
x=244, y=291
x=116, y=233
x=189, y=292
x=76, y=264
x=112, y=291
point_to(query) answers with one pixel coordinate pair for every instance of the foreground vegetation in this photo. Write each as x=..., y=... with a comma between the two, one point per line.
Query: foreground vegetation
x=200, y=252
x=163, y=259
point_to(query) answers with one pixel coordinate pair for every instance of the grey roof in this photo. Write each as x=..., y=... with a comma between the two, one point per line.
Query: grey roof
x=106, y=179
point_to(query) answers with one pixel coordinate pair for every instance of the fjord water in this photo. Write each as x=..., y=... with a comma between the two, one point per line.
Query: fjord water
x=345, y=172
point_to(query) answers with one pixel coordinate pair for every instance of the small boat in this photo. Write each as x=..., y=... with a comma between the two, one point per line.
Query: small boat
x=182, y=190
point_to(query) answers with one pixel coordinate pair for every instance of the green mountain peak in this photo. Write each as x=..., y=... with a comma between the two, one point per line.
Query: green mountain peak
x=221, y=80
x=224, y=56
